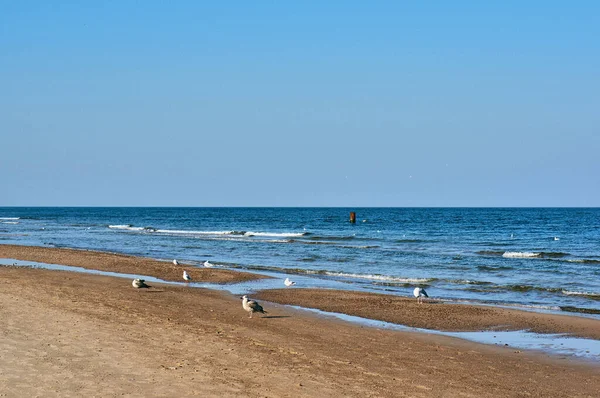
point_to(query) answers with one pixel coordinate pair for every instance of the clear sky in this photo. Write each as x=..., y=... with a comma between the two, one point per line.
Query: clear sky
x=307, y=103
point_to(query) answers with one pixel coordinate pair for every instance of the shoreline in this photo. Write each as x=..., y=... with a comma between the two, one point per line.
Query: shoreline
x=122, y=263
x=83, y=333
x=432, y=315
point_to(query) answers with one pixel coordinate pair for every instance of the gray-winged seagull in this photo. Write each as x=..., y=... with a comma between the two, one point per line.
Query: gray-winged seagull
x=251, y=306
x=208, y=265
x=139, y=283
x=175, y=262
x=288, y=282
x=419, y=293
x=186, y=276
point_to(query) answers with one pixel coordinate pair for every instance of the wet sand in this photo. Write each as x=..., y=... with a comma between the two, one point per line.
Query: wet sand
x=433, y=314
x=72, y=334
x=112, y=262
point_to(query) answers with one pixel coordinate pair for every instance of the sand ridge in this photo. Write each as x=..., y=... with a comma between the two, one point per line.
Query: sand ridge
x=432, y=314
x=113, y=262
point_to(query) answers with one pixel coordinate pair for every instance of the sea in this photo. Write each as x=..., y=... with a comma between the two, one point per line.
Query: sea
x=543, y=259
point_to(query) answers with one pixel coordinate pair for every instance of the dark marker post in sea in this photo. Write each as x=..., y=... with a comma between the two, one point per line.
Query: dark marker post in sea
x=352, y=217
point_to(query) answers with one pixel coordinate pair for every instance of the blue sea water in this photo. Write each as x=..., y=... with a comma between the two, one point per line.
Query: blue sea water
x=539, y=258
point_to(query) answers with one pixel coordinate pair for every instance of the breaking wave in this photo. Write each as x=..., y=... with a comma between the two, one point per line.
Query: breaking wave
x=584, y=261
x=590, y=295
x=377, y=277
x=129, y=227
x=507, y=254
x=520, y=254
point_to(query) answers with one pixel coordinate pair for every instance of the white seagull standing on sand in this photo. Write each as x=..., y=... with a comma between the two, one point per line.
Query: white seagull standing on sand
x=251, y=306
x=175, y=262
x=419, y=293
x=288, y=282
x=186, y=276
x=208, y=265
x=139, y=283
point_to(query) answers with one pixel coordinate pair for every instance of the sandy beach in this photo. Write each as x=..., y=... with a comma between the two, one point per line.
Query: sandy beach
x=72, y=334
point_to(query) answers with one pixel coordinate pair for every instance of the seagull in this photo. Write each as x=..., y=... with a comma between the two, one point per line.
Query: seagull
x=208, y=265
x=139, y=283
x=175, y=262
x=288, y=282
x=251, y=306
x=419, y=293
x=556, y=238
x=186, y=276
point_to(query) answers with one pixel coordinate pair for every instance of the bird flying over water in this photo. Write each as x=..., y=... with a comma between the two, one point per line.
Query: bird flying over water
x=288, y=282
x=251, y=306
x=186, y=276
x=139, y=283
x=419, y=293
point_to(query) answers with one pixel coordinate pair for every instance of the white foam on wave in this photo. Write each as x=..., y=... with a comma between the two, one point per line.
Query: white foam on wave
x=379, y=277
x=9, y=222
x=126, y=227
x=229, y=233
x=531, y=306
x=10, y=218
x=275, y=234
x=186, y=232
x=119, y=226
x=589, y=294
x=520, y=254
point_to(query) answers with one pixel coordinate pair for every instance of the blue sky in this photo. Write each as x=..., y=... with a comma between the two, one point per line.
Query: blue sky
x=268, y=103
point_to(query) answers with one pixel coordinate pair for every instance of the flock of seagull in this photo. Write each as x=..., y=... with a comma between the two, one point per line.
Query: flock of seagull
x=252, y=306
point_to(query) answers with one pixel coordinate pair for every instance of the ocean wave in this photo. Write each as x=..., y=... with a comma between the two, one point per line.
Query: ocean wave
x=580, y=310
x=129, y=227
x=303, y=271
x=190, y=232
x=10, y=222
x=493, y=288
x=530, y=288
x=10, y=218
x=490, y=253
x=520, y=254
x=469, y=282
x=584, y=261
x=333, y=238
x=414, y=241
x=590, y=295
x=333, y=244
x=378, y=277
x=276, y=234
x=515, y=254
x=493, y=268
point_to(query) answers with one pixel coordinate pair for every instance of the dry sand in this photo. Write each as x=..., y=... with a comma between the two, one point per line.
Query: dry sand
x=69, y=334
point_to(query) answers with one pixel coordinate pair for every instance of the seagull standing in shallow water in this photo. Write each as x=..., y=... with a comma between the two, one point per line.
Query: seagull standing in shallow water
x=288, y=282
x=139, y=283
x=208, y=265
x=419, y=293
x=186, y=276
x=251, y=306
